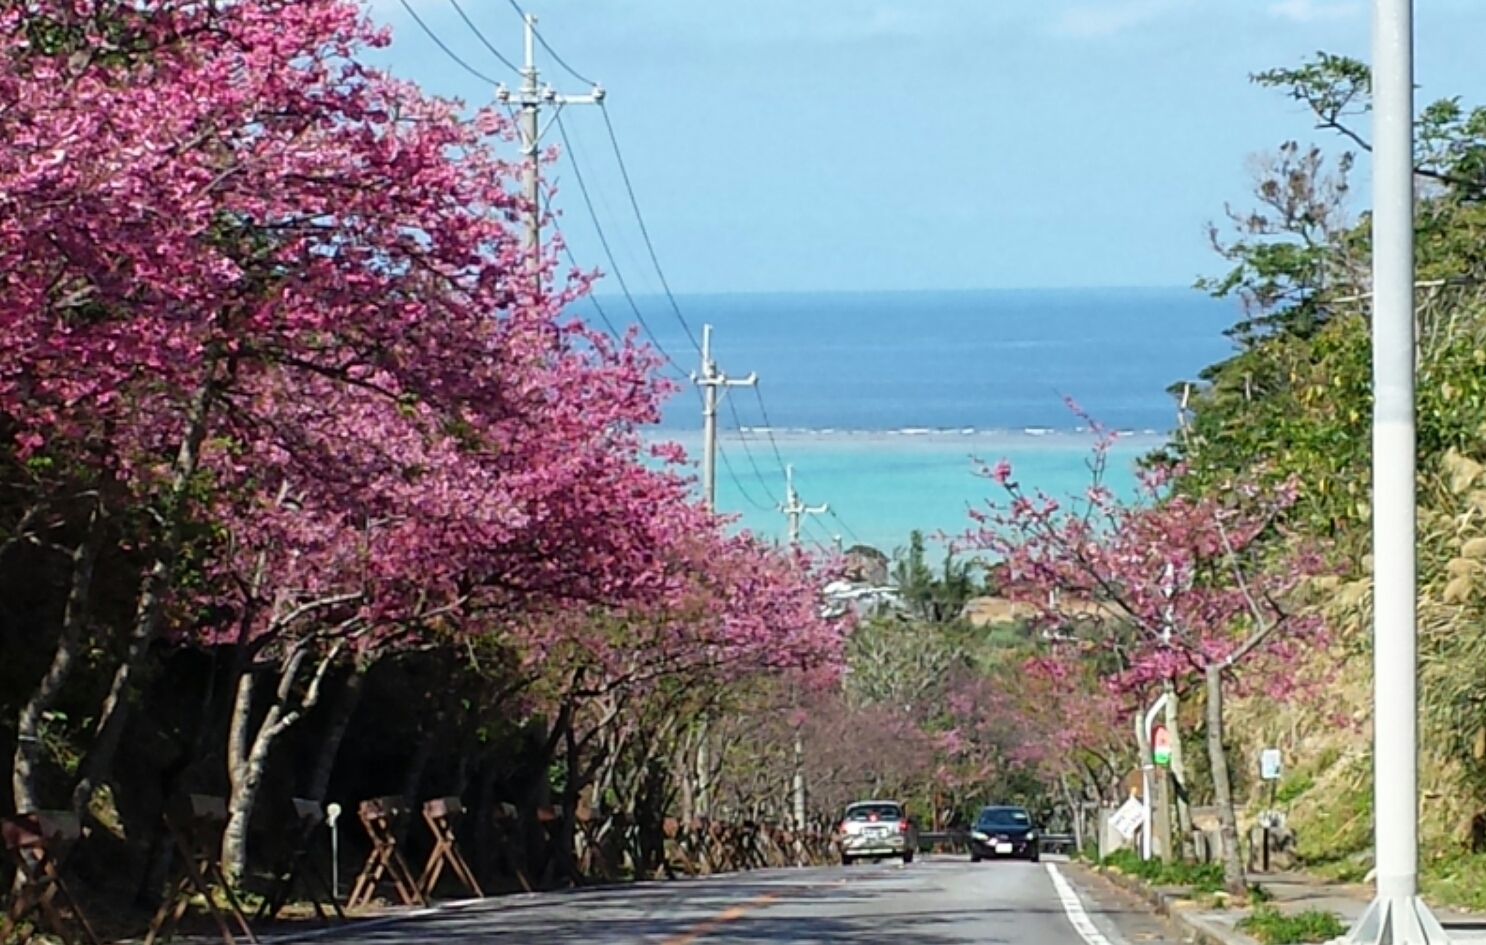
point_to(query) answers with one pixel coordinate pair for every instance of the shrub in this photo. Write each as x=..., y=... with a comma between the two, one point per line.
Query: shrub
x=1198, y=877
x=1272, y=927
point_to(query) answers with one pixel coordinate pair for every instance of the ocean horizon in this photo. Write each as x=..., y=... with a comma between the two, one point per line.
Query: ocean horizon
x=884, y=404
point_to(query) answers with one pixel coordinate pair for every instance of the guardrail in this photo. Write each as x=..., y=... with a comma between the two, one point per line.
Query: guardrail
x=946, y=841
x=1057, y=842
x=954, y=841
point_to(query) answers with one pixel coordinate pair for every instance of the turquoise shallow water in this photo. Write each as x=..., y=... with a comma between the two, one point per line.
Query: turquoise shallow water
x=881, y=486
x=881, y=401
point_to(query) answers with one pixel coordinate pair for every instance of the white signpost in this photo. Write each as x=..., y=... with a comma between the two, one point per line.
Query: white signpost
x=1129, y=818
x=1270, y=765
x=332, y=814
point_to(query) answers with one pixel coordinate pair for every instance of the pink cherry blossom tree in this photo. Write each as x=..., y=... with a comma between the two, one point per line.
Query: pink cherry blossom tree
x=1170, y=586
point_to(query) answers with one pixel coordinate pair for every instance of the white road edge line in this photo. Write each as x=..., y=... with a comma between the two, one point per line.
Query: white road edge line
x=1074, y=907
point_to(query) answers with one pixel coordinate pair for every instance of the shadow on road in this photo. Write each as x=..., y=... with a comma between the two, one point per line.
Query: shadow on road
x=921, y=929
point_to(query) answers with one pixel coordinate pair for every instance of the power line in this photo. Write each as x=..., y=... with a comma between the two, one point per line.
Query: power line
x=481, y=37
x=769, y=427
x=447, y=51
x=603, y=238
x=552, y=52
x=603, y=315
x=743, y=439
x=826, y=545
x=644, y=231
x=604, y=242
x=845, y=527
x=742, y=490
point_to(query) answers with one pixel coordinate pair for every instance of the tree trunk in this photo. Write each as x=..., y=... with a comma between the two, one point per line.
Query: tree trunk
x=412, y=783
x=335, y=733
x=28, y=724
x=128, y=679
x=247, y=754
x=686, y=775
x=703, y=796
x=567, y=840
x=242, y=781
x=1234, y=880
x=1075, y=813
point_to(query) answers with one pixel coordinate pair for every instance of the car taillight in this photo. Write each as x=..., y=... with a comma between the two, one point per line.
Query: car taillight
x=903, y=826
x=842, y=828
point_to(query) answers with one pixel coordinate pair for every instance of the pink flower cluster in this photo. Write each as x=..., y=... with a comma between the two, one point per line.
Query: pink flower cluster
x=277, y=298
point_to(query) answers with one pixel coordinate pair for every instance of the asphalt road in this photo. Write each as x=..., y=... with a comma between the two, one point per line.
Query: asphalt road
x=930, y=902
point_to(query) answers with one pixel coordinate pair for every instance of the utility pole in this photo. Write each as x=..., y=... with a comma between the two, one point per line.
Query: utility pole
x=1397, y=915
x=794, y=508
x=714, y=384
x=531, y=98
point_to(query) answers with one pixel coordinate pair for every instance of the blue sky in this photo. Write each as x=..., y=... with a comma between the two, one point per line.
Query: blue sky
x=806, y=145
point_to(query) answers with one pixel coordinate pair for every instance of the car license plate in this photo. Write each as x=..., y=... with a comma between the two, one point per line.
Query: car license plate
x=1003, y=848
x=876, y=831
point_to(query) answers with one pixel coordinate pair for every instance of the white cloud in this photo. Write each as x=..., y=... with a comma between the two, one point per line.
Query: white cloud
x=835, y=25
x=1310, y=11
x=1104, y=19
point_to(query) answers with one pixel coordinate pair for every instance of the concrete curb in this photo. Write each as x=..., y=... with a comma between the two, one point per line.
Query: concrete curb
x=1181, y=912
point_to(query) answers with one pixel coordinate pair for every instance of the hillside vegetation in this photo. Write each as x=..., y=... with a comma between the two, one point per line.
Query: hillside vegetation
x=1293, y=404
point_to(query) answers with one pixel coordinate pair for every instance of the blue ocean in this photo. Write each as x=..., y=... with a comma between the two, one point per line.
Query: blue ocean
x=886, y=404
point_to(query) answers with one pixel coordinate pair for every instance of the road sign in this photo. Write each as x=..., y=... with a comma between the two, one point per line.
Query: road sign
x=1128, y=818
x=1269, y=764
x=1161, y=745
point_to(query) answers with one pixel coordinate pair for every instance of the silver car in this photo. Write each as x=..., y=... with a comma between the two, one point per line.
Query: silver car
x=876, y=830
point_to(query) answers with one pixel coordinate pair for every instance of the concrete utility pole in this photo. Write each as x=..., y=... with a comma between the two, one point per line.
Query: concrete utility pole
x=713, y=384
x=1397, y=915
x=531, y=98
x=794, y=508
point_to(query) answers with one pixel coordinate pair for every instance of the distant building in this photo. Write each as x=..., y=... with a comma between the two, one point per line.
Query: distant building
x=866, y=565
x=862, y=599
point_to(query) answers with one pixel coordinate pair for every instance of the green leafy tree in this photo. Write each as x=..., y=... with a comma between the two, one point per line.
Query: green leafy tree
x=937, y=597
x=1295, y=397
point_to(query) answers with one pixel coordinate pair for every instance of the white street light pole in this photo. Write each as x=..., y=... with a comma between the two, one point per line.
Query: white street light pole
x=1397, y=915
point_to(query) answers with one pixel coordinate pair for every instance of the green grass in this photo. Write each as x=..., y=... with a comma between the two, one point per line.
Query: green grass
x=1198, y=877
x=1339, y=827
x=1272, y=927
x=1458, y=880
x=1293, y=787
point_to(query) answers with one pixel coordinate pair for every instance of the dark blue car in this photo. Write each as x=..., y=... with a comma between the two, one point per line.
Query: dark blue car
x=1003, y=831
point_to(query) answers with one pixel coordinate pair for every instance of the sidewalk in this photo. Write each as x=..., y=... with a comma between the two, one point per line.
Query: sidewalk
x=1292, y=893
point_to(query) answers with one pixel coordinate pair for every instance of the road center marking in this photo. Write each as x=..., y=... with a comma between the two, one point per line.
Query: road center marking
x=1074, y=907
x=731, y=914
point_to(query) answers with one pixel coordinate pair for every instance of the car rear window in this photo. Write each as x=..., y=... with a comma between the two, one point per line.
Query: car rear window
x=875, y=812
x=1005, y=817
